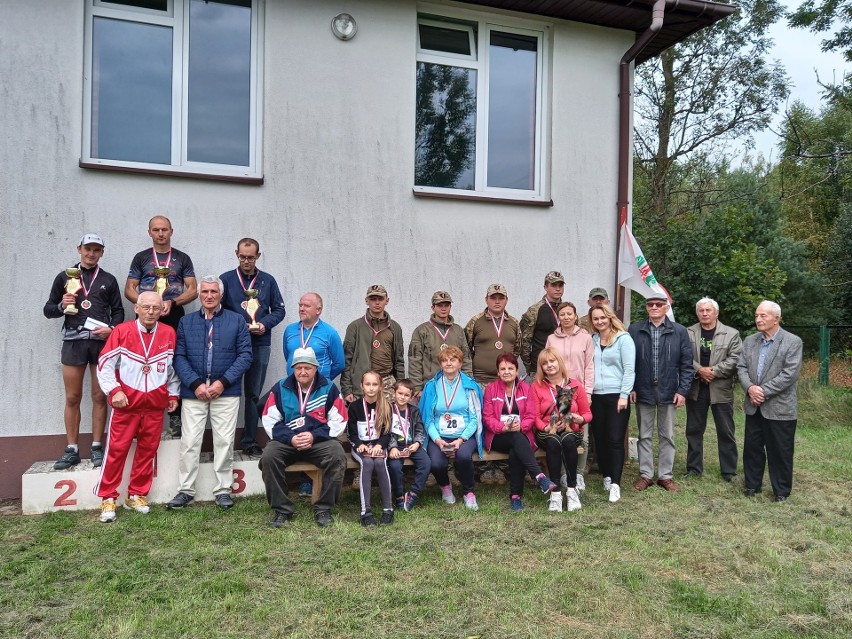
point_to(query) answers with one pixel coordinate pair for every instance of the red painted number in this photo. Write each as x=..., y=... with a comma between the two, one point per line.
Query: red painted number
x=239, y=484
x=70, y=487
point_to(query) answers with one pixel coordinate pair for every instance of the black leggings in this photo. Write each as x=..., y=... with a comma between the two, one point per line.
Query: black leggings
x=609, y=427
x=561, y=448
x=521, y=458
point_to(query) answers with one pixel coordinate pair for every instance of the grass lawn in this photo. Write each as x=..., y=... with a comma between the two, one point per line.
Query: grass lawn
x=706, y=562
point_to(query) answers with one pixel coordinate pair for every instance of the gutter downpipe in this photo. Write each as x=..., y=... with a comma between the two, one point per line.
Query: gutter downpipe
x=625, y=106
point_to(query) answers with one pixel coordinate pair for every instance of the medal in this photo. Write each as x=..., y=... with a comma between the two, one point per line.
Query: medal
x=443, y=335
x=443, y=346
x=447, y=417
x=449, y=402
x=300, y=422
x=498, y=345
x=376, y=343
x=303, y=402
x=146, y=369
x=85, y=305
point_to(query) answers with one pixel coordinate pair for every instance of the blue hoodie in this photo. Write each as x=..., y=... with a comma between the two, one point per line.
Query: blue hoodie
x=615, y=365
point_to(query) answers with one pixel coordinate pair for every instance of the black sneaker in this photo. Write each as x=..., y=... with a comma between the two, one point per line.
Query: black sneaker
x=179, y=501
x=175, y=426
x=280, y=519
x=386, y=518
x=97, y=456
x=368, y=519
x=253, y=452
x=70, y=458
x=224, y=501
x=324, y=519
x=399, y=503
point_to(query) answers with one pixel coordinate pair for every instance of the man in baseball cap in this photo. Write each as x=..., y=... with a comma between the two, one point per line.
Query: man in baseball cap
x=598, y=297
x=541, y=320
x=432, y=337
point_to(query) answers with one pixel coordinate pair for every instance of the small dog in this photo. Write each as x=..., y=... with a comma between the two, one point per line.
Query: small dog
x=564, y=397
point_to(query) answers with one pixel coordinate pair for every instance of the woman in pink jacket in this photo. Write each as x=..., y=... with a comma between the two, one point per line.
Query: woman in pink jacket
x=508, y=417
x=577, y=349
x=561, y=445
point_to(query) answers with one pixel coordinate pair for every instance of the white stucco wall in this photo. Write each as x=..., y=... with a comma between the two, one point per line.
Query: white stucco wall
x=336, y=212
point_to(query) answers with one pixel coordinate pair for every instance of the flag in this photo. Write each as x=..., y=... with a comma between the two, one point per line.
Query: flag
x=634, y=272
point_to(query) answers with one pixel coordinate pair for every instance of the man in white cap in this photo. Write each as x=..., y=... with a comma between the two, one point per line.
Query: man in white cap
x=303, y=415
x=90, y=311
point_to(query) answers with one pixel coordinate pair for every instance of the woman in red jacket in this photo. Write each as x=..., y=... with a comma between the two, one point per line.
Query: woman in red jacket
x=508, y=415
x=561, y=440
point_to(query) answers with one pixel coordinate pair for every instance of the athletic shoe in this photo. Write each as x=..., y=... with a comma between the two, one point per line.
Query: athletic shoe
x=306, y=488
x=470, y=501
x=447, y=495
x=546, y=485
x=607, y=483
x=399, y=503
x=253, y=452
x=555, y=505
x=517, y=504
x=107, y=511
x=368, y=519
x=97, y=456
x=69, y=458
x=387, y=518
x=581, y=483
x=179, y=501
x=175, y=426
x=324, y=519
x=573, y=498
x=409, y=498
x=137, y=503
x=224, y=501
x=280, y=519
x=614, y=493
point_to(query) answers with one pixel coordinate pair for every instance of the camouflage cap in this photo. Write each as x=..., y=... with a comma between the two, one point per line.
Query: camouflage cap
x=497, y=289
x=553, y=277
x=377, y=290
x=440, y=297
x=598, y=292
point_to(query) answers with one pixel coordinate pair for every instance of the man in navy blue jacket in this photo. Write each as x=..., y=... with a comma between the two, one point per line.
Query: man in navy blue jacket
x=268, y=312
x=213, y=353
x=663, y=378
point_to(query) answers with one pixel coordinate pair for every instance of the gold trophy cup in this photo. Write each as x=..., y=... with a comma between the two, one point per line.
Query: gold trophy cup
x=72, y=286
x=252, y=306
x=162, y=283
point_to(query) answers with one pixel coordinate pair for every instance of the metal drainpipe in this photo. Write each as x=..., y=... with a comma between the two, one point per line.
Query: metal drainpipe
x=625, y=104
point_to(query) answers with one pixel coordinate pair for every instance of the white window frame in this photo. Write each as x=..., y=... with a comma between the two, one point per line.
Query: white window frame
x=430, y=15
x=177, y=17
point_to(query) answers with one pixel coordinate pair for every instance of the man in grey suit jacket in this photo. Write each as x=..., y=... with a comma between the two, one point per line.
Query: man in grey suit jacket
x=768, y=370
x=715, y=351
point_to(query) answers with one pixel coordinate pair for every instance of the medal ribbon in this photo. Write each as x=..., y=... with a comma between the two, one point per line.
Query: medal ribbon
x=552, y=311
x=403, y=423
x=510, y=399
x=444, y=334
x=552, y=394
x=302, y=335
x=370, y=422
x=240, y=277
x=146, y=349
x=497, y=329
x=157, y=262
x=370, y=326
x=449, y=402
x=303, y=403
x=91, y=284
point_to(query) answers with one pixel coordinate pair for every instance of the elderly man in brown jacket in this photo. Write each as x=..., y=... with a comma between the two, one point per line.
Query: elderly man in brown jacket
x=716, y=349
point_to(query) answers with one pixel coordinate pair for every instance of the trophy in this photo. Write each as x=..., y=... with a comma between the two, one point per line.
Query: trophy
x=72, y=286
x=162, y=283
x=252, y=305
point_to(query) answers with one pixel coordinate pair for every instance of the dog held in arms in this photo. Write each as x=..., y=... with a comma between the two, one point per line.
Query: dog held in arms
x=564, y=397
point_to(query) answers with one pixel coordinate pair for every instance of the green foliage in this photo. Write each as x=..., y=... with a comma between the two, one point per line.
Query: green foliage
x=826, y=16
x=838, y=263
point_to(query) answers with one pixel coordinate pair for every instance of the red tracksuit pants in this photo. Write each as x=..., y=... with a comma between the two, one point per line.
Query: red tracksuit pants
x=146, y=426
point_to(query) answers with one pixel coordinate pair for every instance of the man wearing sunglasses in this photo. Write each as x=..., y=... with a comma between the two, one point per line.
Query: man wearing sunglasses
x=663, y=378
x=242, y=285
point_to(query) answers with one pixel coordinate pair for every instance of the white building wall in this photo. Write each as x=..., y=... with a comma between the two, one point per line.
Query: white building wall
x=336, y=212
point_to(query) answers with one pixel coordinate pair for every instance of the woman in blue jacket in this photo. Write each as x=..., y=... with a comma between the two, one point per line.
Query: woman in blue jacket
x=451, y=407
x=615, y=359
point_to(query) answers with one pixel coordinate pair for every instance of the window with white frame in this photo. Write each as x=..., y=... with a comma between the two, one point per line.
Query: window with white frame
x=173, y=85
x=480, y=110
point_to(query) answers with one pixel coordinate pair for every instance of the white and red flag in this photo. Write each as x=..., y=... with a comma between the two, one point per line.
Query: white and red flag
x=634, y=272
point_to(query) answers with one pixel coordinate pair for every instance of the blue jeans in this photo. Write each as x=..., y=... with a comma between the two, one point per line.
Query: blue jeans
x=252, y=386
x=421, y=472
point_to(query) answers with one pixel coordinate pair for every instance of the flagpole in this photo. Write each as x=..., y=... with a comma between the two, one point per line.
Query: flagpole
x=619, y=289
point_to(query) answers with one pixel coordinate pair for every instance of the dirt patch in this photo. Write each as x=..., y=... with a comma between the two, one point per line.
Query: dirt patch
x=10, y=507
x=839, y=371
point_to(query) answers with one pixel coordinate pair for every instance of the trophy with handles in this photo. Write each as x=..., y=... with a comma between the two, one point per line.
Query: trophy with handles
x=72, y=286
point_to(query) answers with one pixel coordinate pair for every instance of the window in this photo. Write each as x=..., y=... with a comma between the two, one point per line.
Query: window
x=480, y=110
x=173, y=86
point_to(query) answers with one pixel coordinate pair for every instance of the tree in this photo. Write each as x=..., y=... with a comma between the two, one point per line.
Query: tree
x=823, y=17
x=715, y=86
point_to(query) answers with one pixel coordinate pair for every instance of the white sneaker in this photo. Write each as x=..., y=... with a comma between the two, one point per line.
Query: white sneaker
x=573, y=500
x=563, y=481
x=614, y=493
x=607, y=483
x=470, y=501
x=581, y=483
x=137, y=503
x=447, y=495
x=555, y=505
x=107, y=511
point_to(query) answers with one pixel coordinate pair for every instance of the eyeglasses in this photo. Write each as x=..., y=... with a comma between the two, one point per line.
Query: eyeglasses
x=247, y=258
x=655, y=304
x=148, y=309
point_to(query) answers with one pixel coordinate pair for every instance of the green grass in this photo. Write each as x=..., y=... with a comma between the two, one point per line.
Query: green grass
x=703, y=563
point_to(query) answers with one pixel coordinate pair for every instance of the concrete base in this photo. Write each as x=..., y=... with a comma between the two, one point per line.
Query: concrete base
x=45, y=490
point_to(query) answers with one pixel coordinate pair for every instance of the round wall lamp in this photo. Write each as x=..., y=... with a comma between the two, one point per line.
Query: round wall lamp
x=343, y=26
